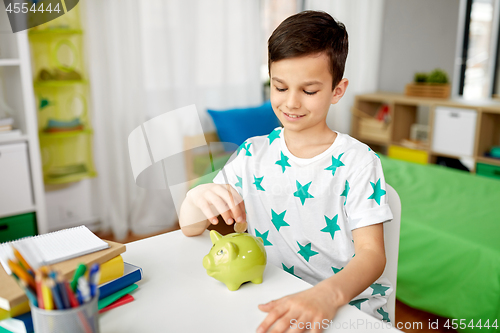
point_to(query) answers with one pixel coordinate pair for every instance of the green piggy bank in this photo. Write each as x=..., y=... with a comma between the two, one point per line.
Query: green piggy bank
x=235, y=259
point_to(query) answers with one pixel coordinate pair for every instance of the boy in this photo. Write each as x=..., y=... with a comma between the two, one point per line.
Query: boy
x=314, y=195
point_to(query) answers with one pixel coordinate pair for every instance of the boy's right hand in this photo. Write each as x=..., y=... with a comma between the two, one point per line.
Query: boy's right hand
x=214, y=199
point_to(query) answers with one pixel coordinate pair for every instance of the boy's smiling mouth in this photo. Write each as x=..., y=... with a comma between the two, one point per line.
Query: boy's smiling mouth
x=293, y=116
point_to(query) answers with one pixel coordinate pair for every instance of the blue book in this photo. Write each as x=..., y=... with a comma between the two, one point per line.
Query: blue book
x=131, y=275
x=20, y=324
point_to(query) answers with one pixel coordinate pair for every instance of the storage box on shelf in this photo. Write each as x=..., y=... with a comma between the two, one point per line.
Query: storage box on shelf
x=369, y=125
x=488, y=170
x=67, y=156
x=457, y=128
x=454, y=131
x=62, y=102
x=19, y=226
x=430, y=90
x=408, y=154
x=57, y=54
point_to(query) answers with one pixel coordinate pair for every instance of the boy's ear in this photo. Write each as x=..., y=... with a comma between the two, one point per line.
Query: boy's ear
x=339, y=91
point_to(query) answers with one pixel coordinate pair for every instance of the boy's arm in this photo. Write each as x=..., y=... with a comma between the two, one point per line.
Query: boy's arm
x=365, y=213
x=323, y=300
x=367, y=265
x=189, y=215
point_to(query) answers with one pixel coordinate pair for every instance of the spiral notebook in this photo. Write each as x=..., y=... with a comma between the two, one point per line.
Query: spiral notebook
x=53, y=247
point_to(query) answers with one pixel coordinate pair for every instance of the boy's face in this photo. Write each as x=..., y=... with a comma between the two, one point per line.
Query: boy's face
x=301, y=91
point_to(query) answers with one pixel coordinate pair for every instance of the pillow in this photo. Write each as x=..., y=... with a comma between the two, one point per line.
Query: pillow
x=237, y=125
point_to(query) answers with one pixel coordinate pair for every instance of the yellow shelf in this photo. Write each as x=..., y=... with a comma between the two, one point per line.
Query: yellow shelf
x=62, y=135
x=69, y=178
x=58, y=83
x=50, y=32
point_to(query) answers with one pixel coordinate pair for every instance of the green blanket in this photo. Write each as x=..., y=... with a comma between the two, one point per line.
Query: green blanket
x=449, y=252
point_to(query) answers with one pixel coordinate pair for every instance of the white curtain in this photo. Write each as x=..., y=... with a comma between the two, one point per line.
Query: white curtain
x=148, y=57
x=363, y=20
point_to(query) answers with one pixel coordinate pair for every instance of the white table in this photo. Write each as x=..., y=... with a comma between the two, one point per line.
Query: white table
x=177, y=295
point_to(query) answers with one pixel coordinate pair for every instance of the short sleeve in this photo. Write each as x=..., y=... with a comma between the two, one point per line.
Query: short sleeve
x=231, y=173
x=366, y=202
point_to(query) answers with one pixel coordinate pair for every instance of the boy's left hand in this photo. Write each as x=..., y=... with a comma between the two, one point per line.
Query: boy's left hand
x=309, y=306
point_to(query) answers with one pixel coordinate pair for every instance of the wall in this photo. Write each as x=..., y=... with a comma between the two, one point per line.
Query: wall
x=417, y=36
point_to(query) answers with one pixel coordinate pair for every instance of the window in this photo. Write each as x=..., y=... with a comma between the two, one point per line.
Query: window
x=480, y=49
x=273, y=12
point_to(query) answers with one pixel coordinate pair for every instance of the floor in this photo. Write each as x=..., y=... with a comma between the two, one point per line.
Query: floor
x=408, y=319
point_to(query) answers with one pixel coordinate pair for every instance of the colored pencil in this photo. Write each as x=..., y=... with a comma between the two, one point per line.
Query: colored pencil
x=27, y=290
x=55, y=294
x=72, y=299
x=47, y=296
x=22, y=261
x=38, y=282
x=21, y=273
x=62, y=291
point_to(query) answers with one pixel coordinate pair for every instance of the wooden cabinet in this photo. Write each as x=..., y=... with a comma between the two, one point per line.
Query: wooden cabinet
x=457, y=128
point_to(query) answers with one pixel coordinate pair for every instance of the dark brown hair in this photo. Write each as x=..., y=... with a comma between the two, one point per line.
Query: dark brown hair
x=310, y=32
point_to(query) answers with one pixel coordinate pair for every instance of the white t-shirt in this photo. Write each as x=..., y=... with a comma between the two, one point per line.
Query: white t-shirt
x=305, y=208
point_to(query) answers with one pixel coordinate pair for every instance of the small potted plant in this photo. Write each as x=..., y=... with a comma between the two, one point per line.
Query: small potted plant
x=434, y=85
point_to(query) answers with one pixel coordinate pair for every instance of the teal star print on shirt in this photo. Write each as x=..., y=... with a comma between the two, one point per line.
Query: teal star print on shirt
x=369, y=149
x=346, y=191
x=335, y=164
x=257, y=182
x=336, y=270
x=247, y=148
x=242, y=146
x=302, y=192
x=331, y=225
x=239, y=183
x=378, y=192
x=357, y=303
x=274, y=135
x=283, y=162
x=379, y=289
x=278, y=220
x=306, y=252
x=290, y=270
x=385, y=315
x=263, y=236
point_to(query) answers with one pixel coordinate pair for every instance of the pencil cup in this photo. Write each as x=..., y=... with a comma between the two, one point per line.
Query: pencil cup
x=84, y=319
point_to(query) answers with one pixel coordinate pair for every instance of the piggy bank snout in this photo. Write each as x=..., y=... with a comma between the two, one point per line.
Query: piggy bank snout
x=207, y=262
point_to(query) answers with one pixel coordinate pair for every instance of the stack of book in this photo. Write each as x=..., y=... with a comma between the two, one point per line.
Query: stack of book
x=7, y=129
x=117, y=278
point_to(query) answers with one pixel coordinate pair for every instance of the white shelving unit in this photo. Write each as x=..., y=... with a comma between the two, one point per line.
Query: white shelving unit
x=17, y=88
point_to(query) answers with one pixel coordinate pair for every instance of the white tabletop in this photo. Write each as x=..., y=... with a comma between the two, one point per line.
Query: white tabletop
x=177, y=295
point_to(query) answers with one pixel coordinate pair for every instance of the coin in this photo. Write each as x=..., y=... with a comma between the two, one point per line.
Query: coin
x=240, y=227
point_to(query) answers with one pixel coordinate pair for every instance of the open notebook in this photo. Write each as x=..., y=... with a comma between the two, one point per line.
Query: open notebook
x=53, y=247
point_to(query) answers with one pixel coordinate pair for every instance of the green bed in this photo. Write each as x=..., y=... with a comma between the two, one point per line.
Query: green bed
x=449, y=252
